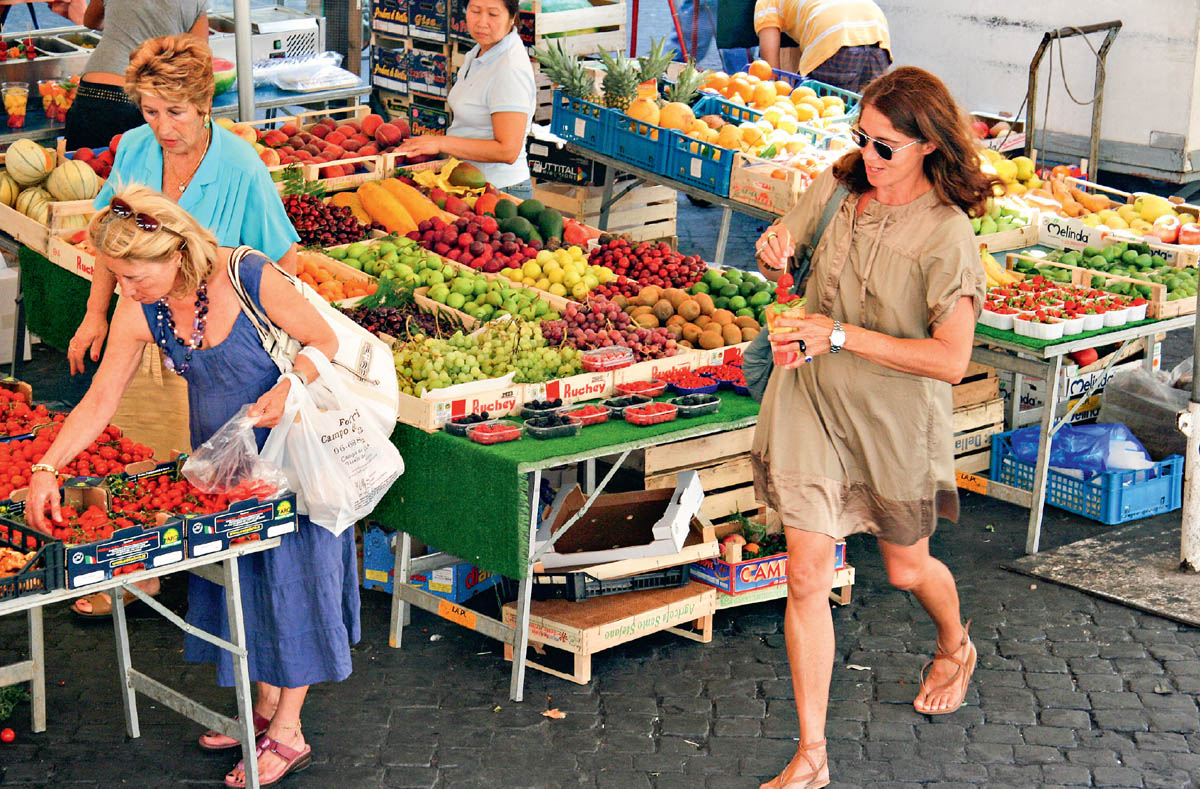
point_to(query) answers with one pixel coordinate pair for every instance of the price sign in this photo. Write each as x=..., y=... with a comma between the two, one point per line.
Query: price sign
x=456, y=614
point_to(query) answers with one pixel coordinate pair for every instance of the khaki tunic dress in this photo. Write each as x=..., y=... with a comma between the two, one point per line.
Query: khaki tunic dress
x=844, y=445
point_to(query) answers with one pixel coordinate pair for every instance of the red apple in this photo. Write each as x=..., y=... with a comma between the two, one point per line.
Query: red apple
x=1189, y=233
x=1166, y=227
x=85, y=155
x=980, y=129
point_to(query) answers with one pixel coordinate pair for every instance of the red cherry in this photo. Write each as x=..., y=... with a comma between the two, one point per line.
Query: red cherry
x=7, y=735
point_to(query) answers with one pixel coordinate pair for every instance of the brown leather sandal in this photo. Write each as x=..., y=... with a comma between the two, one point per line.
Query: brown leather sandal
x=960, y=678
x=810, y=780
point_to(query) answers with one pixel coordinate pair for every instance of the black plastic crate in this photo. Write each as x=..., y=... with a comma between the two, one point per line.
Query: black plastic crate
x=42, y=573
x=574, y=587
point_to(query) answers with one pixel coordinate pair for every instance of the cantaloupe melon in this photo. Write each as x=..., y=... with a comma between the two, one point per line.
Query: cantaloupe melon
x=34, y=203
x=9, y=189
x=27, y=162
x=73, y=180
x=72, y=222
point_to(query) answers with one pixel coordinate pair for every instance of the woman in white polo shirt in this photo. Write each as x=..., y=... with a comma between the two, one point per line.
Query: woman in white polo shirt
x=493, y=100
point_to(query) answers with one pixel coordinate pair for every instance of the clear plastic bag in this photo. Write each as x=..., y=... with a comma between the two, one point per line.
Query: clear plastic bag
x=297, y=68
x=229, y=459
x=1089, y=449
x=1148, y=403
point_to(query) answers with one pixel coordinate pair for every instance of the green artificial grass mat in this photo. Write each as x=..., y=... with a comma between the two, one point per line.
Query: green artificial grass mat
x=1036, y=344
x=55, y=299
x=471, y=500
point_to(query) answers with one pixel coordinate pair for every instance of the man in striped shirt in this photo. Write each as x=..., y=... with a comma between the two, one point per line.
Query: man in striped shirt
x=840, y=42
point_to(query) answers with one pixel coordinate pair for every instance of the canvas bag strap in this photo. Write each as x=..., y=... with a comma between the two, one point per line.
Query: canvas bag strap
x=804, y=266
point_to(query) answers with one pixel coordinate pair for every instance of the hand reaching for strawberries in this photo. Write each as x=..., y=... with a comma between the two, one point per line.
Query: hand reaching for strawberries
x=775, y=247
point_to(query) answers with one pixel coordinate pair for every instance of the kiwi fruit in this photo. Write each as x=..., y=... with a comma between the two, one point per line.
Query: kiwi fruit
x=620, y=300
x=649, y=295
x=676, y=319
x=731, y=334
x=744, y=322
x=663, y=309
x=710, y=340
x=675, y=330
x=647, y=320
x=639, y=310
x=691, y=332
x=689, y=309
x=685, y=344
x=676, y=295
x=703, y=321
x=706, y=303
x=749, y=333
x=723, y=317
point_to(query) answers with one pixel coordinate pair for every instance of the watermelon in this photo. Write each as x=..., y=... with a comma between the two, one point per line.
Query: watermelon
x=225, y=73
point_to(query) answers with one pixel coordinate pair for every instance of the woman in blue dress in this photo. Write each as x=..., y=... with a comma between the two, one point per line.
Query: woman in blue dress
x=301, y=599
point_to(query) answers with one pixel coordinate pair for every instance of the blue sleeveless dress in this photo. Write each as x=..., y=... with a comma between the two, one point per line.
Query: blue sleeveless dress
x=300, y=600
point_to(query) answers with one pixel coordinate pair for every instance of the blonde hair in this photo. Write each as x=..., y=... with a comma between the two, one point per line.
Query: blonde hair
x=120, y=237
x=174, y=68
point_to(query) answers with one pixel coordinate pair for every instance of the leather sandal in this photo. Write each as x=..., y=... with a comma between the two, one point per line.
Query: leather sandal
x=810, y=780
x=215, y=741
x=958, y=681
x=101, y=603
x=295, y=762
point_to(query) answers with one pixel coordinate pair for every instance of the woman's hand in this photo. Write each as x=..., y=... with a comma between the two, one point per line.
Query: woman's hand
x=43, y=493
x=811, y=330
x=88, y=341
x=426, y=145
x=775, y=247
x=269, y=408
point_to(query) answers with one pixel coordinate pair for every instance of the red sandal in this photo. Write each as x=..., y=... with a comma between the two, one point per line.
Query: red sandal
x=295, y=762
x=215, y=741
x=958, y=680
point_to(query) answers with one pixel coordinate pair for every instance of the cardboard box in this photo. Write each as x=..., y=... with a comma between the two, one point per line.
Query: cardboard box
x=730, y=354
x=429, y=20
x=390, y=16
x=549, y=160
x=428, y=118
x=651, y=369
x=574, y=388
x=458, y=22
x=640, y=524
x=246, y=521
x=745, y=576
x=456, y=583
x=395, y=106
x=389, y=68
x=431, y=413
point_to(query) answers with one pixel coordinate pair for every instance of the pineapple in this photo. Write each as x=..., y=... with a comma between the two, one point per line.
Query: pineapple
x=654, y=65
x=620, y=81
x=688, y=84
x=565, y=70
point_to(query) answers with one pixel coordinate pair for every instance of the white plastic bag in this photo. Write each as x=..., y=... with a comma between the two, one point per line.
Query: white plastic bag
x=230, y=458
x=335, y=456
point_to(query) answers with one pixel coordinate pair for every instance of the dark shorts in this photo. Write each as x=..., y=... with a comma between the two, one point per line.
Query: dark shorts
x=99, y=113
x=852, y=68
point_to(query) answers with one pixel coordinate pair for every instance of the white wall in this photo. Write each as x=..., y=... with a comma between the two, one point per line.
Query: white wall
x=982, y=50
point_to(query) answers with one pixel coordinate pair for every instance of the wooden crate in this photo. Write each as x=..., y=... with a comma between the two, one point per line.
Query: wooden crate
x=1180, y=254
x=645, y=213
x=1158, y=307
x=974, y=426
x=582, y=629
x=581, y=32
x=1018, y=238
x=979, y=385
x=723, y=463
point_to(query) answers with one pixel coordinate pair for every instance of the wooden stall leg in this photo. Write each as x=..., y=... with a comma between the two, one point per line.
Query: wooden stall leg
x=516, y=687
x=37, y=683
x=402, y=571
x=1037, y=506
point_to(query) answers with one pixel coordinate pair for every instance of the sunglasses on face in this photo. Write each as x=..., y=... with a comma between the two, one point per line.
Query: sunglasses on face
x=149, y=224
x=884, y=150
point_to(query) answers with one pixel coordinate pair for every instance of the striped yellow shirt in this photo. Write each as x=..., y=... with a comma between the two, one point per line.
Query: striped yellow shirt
x=822, y=27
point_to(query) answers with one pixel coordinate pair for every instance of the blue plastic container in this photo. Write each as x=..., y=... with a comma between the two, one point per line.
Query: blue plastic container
x=638, y=143
x=732, y=113
x=581, y=121
x=703, y=165
x=1111, y=498
x=849, y=97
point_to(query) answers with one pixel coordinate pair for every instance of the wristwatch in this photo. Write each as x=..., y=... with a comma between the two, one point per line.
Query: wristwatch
x=837, y=338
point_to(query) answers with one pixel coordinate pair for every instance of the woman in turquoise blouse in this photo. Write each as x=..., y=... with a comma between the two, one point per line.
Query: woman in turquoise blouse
x=216, y=177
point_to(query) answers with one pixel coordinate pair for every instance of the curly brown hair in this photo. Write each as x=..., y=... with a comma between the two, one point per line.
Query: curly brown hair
x=174, y=68
x=919, y=106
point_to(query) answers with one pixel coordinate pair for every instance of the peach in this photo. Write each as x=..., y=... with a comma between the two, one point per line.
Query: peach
x=270, y=157
x=335, y=138
x=319, y=130
x=347, y=130
x=352, y=145
x=247, y=133
x=370, y=123
x=388, y=134
x=290, y=129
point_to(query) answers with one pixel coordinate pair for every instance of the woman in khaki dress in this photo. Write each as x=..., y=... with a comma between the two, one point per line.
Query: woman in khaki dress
x=856, y=436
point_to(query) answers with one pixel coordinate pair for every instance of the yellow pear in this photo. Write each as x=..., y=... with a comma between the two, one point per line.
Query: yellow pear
x=1025, y=167
x=1006, y=169
x=1153, y=206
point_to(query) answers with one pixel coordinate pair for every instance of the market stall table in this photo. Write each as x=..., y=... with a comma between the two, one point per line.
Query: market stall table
x=1005, y=350
x=645, y=176
x=481, y=504
x=133, y=681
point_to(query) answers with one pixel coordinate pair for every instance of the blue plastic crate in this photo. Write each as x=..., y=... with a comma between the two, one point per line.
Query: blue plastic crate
x=719, y=105
x=1113, y=497
x=849, y=97
x=639, y=143
x=581, y=121
x=704, y=165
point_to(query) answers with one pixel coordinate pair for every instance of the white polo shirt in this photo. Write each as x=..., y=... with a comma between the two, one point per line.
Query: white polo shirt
x=501, y=80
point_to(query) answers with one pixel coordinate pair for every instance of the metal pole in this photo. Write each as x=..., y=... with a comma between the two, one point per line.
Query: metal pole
x=1189, y=423
x=245, y=62
x=37, y=656
x=1041, y=471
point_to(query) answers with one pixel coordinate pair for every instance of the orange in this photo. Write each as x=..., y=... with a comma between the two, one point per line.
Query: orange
x=741, y=87
x=764, y=94
x=782, y=88
x=761, y=69
x=717, y=81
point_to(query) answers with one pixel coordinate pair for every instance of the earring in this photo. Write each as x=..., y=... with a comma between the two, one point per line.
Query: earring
x=207, y=120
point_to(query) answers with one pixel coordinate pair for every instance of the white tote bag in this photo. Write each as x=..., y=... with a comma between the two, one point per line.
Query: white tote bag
x=363, y=362
x=336, y=458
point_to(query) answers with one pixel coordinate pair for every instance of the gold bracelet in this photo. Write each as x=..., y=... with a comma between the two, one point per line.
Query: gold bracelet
x=36, y=467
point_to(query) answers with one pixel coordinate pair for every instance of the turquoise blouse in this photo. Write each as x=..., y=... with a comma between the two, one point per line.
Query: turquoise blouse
x=231, y=193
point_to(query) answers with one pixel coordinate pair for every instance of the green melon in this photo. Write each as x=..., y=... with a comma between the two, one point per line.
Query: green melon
x=225, y=74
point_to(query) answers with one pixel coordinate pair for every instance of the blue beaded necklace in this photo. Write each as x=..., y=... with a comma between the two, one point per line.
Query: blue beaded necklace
x=162, y=313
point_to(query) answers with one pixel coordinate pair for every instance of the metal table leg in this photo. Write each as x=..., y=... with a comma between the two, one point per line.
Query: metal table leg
x=402, y=571
x=124, y=662
x=1038, y=505
x=606, y=198
x=516, y=686
x=241, y=667
x=723, y=236
x=37, y=683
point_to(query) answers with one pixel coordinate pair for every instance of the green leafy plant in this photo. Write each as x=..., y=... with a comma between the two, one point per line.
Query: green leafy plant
x=10, y=697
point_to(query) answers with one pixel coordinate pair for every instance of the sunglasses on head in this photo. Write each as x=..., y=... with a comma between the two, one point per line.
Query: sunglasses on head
x=884, y=150
x=149, y=224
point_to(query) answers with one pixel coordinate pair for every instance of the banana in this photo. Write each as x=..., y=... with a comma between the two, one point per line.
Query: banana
x=997, y=275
